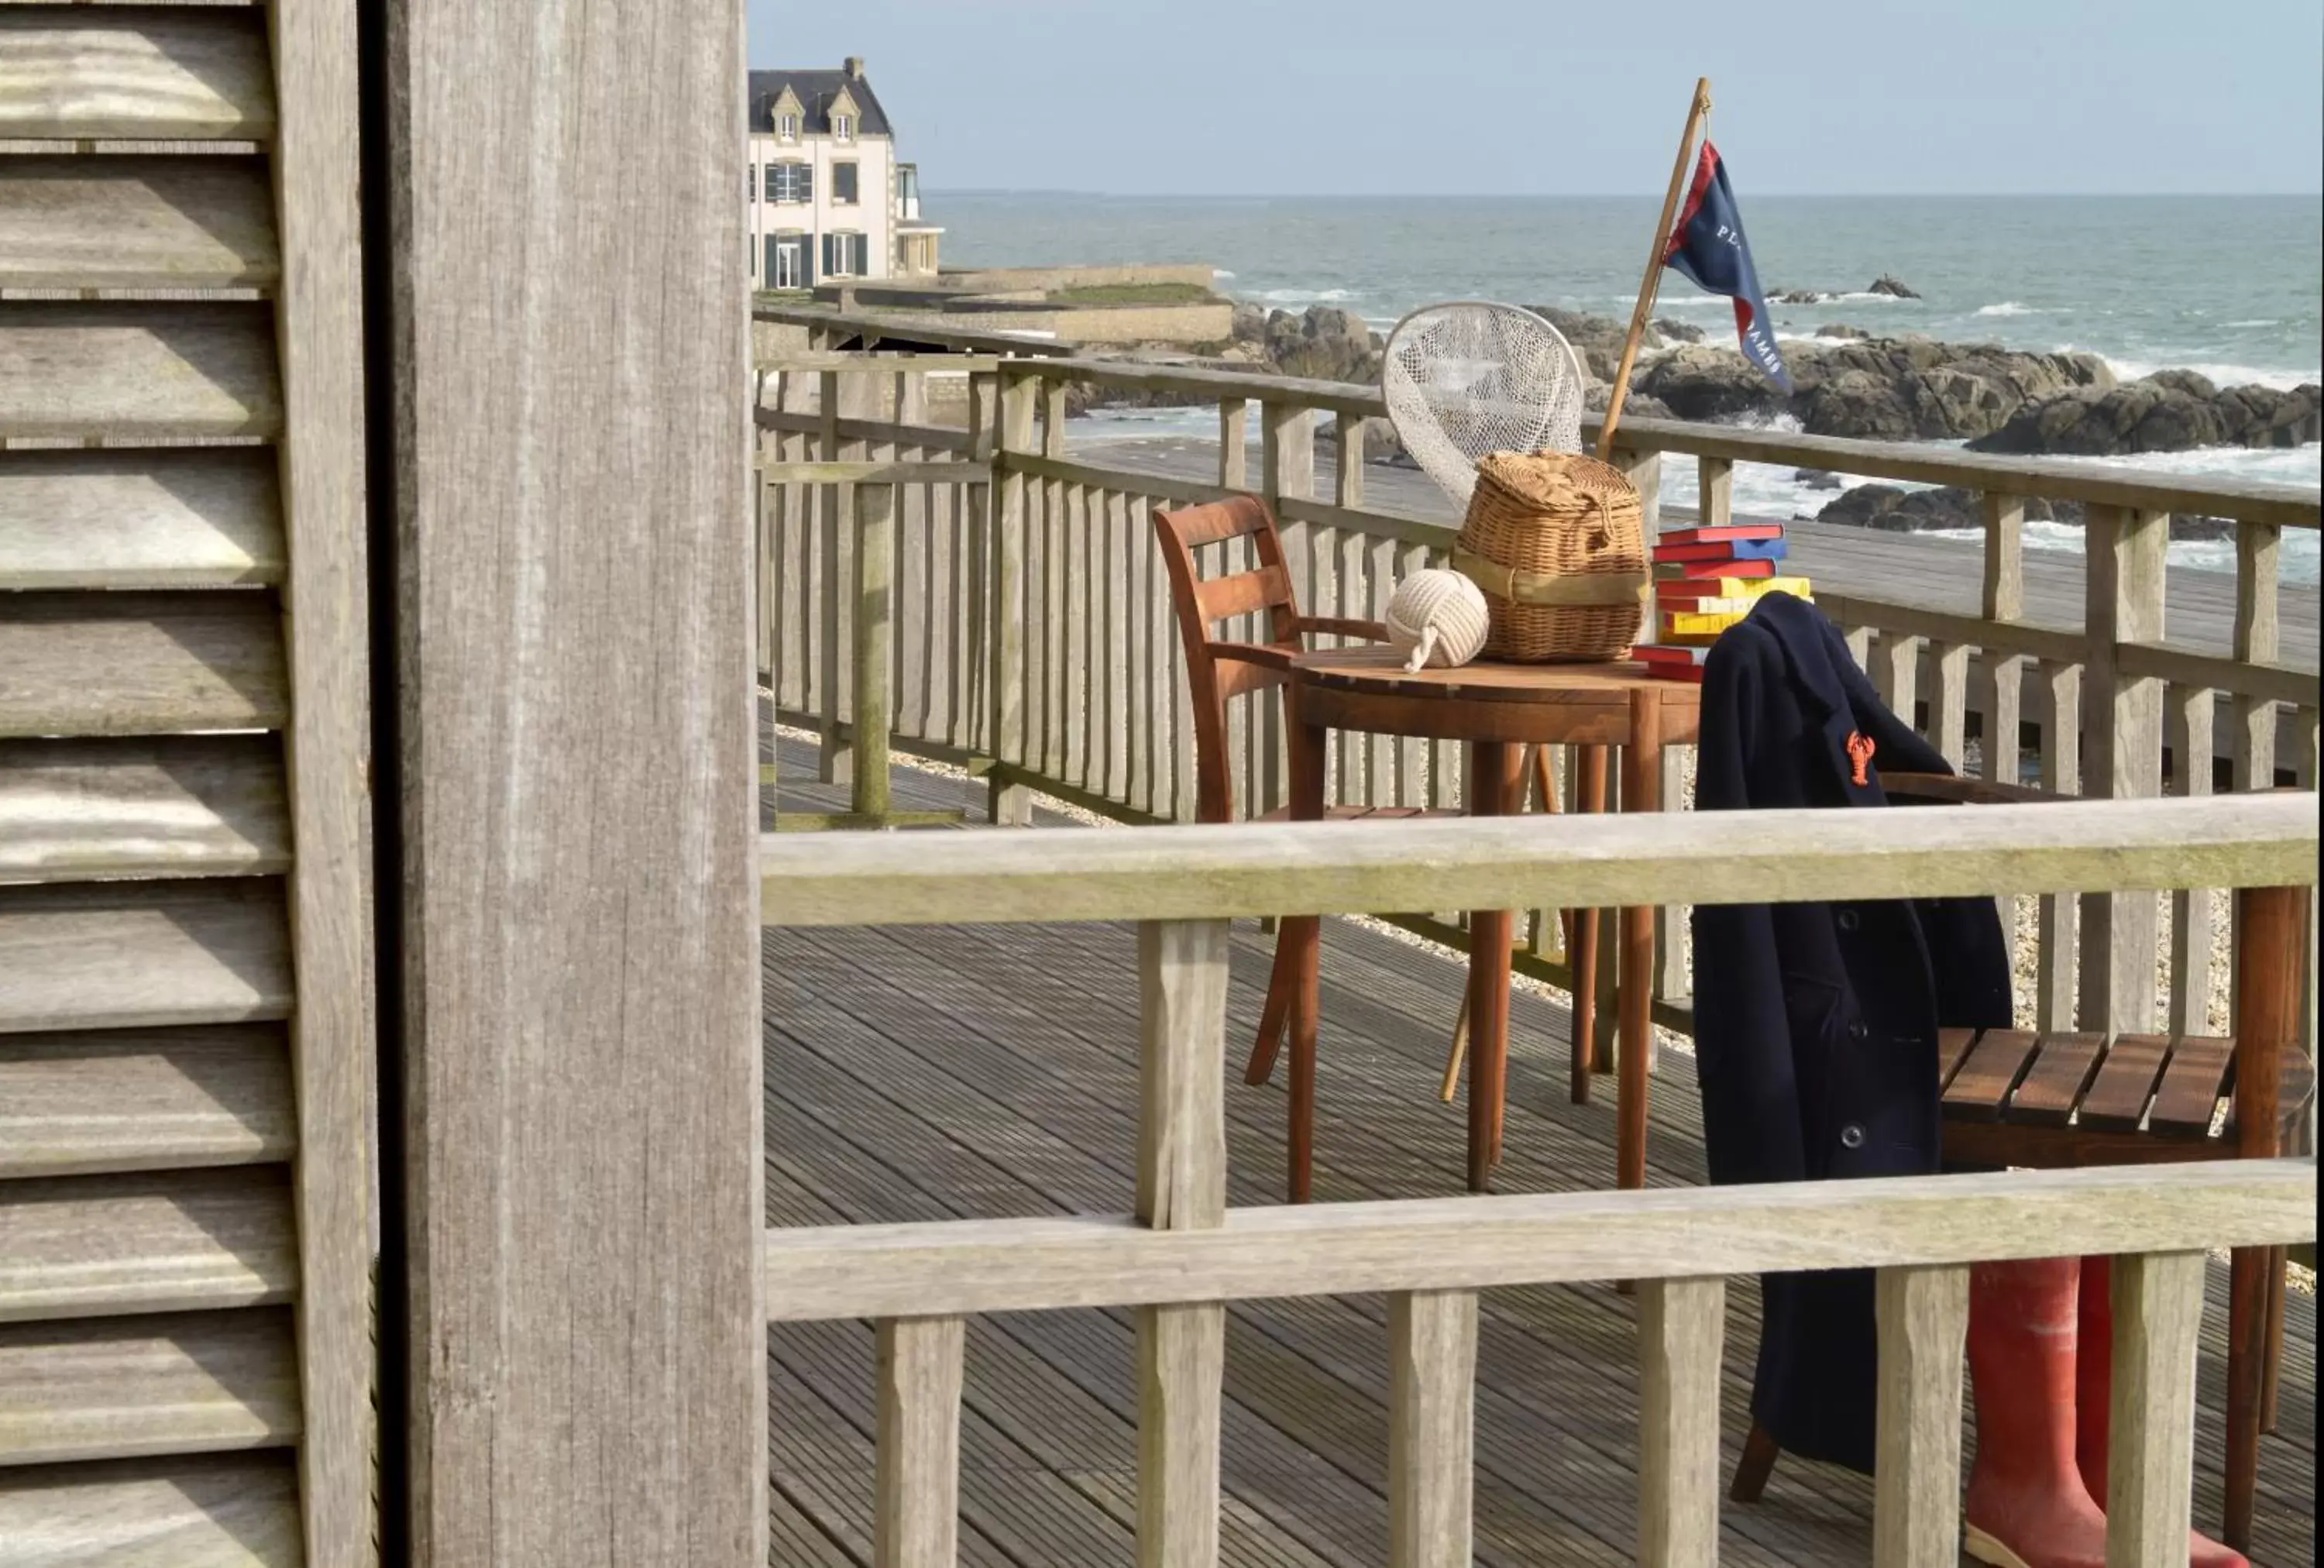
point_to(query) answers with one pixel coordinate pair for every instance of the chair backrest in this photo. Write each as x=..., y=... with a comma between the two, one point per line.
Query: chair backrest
x=1218, y=670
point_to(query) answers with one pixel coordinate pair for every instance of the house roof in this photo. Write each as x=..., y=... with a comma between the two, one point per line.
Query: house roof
x=815, y=90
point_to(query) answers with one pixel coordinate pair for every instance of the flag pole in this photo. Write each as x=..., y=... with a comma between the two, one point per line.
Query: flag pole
x=1696, y=114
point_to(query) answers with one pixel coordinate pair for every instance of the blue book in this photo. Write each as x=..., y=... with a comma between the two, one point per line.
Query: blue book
x=1736, y=549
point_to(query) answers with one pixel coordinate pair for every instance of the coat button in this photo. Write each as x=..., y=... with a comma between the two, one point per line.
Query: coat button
x=1847, y=922
x=1857, y=1031
x=1852, y=1136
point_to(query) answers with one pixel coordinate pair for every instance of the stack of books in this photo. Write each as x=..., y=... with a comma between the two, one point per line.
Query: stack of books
x=1706, y=579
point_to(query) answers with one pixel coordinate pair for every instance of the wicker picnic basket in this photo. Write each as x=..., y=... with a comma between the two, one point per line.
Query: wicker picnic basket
x=1555, y=540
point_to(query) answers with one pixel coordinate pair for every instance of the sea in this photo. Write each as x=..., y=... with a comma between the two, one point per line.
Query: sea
x=2230, y=286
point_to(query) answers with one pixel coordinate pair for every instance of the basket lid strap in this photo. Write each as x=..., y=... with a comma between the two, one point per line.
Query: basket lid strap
x=1551, y=587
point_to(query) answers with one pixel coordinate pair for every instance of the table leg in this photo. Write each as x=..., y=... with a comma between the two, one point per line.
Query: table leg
x=1302, y=935
x=1588, y=796
x=1493, y=791
x=1642, y=764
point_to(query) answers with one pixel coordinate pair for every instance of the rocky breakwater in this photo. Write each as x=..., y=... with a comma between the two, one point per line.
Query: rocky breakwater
x=1895, y=510
x=1883, y=389
x=2171, y=410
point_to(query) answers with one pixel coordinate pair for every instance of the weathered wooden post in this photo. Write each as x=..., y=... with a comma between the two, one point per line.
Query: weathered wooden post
x=1010, y=804
x=580, y=991
x=2125, y=562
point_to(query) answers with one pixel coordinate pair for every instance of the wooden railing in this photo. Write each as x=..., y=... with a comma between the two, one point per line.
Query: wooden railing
x=1184, y=1255
x=1030, y=638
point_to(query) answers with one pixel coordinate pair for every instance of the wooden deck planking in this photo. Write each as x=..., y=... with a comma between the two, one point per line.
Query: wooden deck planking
x=953, y=1072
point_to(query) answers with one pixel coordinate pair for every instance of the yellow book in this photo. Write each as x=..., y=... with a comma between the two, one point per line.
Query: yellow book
x=1686, y=627
x=1744, y=588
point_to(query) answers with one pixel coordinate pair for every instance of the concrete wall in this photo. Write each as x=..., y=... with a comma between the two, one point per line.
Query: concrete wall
x=1041, y=280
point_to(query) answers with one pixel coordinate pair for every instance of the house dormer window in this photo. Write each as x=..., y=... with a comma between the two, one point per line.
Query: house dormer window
x=787, y=128
x=842, y=128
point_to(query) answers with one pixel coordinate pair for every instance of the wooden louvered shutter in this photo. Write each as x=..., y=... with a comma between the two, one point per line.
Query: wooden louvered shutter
x=185, y=1028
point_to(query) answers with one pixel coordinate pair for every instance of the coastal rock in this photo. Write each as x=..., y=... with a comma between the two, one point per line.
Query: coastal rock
x=1322, y=342
x=1797, y=297
x=1817, y=478
x=1841, y=329
x=1598, y=339
x=1699, y=382
x=1895, y=510
x=1249, y=322
x=2169, y=412
x=1635, y=404
x=1885, y=284
x=1874, y=388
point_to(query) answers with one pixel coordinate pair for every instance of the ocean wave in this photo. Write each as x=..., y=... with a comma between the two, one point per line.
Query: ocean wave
x=1309, y=296
x=1221, y=272
x=2219, y=375
x=2007, y=308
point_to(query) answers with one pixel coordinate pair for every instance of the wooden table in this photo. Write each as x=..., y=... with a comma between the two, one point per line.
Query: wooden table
x=1496, y=710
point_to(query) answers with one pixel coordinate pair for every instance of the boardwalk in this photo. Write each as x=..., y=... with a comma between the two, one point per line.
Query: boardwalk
x=964, y=1072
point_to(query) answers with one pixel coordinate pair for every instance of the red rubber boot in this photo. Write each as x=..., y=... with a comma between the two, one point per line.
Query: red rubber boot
x=2094, y=1398
x=2027, y=1506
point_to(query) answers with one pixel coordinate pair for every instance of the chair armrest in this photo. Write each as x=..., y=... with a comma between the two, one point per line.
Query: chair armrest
x=1371, y=631
x=1258, y=653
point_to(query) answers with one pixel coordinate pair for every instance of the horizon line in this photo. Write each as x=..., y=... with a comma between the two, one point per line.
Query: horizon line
x=933, y=190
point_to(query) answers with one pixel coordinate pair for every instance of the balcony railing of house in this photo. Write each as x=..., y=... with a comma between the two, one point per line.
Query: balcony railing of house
x=1184, y=1254
x=1020, y=623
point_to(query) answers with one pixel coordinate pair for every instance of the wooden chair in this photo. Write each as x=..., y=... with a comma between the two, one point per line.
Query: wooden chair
x=1219, y=671
x=2046, y=1101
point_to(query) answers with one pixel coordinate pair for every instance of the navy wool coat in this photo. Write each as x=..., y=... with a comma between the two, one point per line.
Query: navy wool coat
x=1816, y=1024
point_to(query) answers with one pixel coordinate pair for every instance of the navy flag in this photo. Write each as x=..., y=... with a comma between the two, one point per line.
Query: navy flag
x=1707, y=244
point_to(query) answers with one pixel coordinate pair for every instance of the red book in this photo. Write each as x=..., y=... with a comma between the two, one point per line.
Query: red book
x=1661, y=655
x=1715, y=567
x=1720, y=534
x=1738, y=549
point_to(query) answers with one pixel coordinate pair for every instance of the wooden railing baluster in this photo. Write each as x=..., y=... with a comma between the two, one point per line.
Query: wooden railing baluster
x=1234, y=441
x=1714, y=504
x=2058, y=918
x=2125, y=567
x=1287, y=471
x=1432, y=1405
x=915, y=1513
x=2158, y=1312
x=1681, y=1324
x=2190, y=714
x=875, y=543
x=1181, y=1183
x=1922, y=1317
x=1011, y=802
x=1948, y=701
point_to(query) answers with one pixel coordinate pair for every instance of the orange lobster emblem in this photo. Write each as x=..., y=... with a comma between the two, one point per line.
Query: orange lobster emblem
x=1859, y=756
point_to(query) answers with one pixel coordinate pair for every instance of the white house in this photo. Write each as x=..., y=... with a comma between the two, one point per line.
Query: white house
x=827, y=197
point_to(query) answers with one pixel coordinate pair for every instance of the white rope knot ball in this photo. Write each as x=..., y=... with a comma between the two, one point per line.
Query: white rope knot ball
x=1437, y=617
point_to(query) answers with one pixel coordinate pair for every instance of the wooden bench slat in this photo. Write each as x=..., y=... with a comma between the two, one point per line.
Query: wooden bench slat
x=128, y=222
x=133, y=1099
x=157, y=517
x=142, y=664
x=2061, y=1069
x=128, y=1387
x=1981, y=1088
x=102, y=74
x=2118, y=1097
x=2193, y=1083
x=170, y=805
x=180, y=1242
x=138, y=370
x=1953, y=1047
x=143, y=955
x=224, y=1511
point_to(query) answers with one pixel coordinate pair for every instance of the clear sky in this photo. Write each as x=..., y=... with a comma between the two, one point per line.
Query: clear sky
x=1553, y=98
